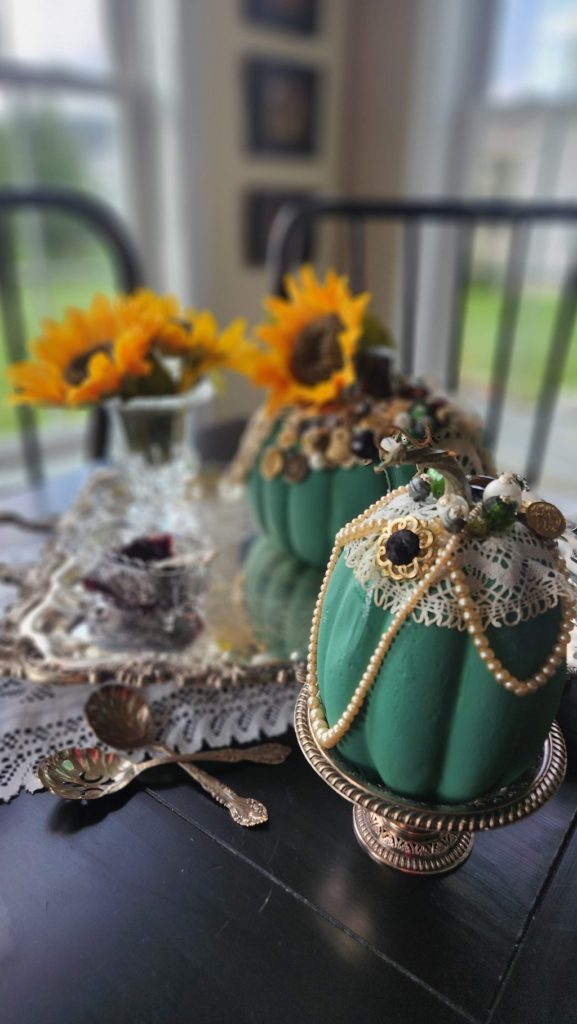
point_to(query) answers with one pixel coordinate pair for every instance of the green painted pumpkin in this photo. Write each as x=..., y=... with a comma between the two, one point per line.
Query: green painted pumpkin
x=280, y=594
x=305, y=515
x=435, y=725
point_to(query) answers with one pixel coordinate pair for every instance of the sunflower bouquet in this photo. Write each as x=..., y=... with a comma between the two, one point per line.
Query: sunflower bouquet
x=308, y=455
x=129, y=346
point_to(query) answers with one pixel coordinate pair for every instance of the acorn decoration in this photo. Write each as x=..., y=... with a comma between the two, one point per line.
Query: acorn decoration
x=436, y=615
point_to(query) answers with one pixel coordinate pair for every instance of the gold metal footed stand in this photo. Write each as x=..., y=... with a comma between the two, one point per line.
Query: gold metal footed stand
x=427, y=839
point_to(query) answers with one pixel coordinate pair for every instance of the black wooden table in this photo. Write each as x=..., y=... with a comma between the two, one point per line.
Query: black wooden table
x=152, y=907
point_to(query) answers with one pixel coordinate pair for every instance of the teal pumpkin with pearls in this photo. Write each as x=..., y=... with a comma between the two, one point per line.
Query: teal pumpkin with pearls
x=436, y=726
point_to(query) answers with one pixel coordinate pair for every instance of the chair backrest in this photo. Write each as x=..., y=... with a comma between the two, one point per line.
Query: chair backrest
x=105, y=226
x=297, y=221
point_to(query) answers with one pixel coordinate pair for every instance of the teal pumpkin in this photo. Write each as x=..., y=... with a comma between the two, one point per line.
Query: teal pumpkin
x=305, y=517
x=435, y=726
x=280, y=594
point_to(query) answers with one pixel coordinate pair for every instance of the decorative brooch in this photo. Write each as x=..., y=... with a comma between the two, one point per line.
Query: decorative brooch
x=407, y=547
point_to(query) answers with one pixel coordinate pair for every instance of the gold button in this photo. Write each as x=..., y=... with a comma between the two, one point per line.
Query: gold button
x=296, y=468
x=339, y=447
x=272, y=463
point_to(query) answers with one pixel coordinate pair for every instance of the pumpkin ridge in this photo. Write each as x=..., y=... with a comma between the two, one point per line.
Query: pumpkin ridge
x=452, y=700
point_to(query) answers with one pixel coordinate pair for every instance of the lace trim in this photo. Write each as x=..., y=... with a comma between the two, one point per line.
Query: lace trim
x=38, y=720
x=512, y=576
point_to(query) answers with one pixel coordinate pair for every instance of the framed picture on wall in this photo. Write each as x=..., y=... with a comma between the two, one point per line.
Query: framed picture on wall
x=260, y=209
x=281, y=107
x=294, y=15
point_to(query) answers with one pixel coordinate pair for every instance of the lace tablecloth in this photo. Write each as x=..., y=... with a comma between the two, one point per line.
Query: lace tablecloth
x=36, y=720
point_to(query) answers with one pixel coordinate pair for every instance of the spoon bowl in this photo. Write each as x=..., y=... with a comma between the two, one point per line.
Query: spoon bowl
x=120, y=716
x=87, y=773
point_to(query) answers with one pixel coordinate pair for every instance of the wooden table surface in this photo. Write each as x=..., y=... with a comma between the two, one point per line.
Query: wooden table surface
x=153, y=907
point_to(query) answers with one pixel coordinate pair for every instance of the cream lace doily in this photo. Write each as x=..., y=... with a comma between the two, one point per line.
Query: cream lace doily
x=512, y=575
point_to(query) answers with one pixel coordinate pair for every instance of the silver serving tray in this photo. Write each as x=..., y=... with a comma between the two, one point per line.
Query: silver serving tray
x=48, y=634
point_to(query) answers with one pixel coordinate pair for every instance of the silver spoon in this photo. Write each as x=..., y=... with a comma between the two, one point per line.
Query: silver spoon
x=87, y=773
x=121, y=717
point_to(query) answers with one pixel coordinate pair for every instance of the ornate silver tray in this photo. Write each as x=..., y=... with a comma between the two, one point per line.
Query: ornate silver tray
x=48, y=634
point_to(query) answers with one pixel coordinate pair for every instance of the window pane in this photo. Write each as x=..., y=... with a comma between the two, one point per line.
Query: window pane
x=64, y=140
x=62, y=33
x=77, y=268
x=536, y=52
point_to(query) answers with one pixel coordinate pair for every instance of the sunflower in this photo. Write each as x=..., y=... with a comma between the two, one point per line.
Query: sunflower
x=203, y=348
x=311, y=339
x=97, y=352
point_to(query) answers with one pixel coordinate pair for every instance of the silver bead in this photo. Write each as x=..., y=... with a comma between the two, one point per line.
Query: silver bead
x=454, y=510
x=419, y=488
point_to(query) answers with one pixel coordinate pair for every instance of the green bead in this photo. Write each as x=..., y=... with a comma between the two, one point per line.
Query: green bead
x=418, y=411
x=477, y=526
x=500, y=513
x=437, y=482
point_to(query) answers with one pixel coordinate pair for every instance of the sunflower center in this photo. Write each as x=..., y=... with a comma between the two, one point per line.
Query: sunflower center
x=77, y=369
x=317, y=353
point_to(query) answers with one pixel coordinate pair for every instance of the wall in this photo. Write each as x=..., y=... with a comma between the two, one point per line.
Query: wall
x=216, y=167
x=379, y=74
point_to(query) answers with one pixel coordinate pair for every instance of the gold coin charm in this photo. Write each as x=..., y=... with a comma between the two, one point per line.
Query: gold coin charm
x=545, y=519
x=272, y=463
x=339, y=447
x=296, y=468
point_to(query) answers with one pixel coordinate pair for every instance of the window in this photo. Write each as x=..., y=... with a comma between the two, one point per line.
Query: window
x=61, y=110
x=525, y=147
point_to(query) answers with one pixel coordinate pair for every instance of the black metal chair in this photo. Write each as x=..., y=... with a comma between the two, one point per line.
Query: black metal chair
x=295, y=222
x=104, y=225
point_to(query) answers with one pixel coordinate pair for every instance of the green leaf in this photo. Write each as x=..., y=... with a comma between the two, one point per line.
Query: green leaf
x=158, y=382
x=375, y=333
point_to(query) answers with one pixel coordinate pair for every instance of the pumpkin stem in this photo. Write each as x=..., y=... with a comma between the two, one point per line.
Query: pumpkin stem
x=418, y=450
x=446, y=464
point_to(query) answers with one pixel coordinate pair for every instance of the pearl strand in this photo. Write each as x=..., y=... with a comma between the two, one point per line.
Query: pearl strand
x=318, y=720
x=500, y=674
x=329, y=736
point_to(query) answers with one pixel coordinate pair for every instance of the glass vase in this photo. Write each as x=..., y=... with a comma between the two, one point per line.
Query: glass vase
x=153, y=446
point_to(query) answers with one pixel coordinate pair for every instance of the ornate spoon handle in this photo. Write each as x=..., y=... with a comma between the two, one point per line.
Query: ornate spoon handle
x=264, y=753
x=244, y=810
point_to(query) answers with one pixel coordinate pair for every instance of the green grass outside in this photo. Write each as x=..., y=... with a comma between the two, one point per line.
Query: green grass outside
x=482, y=316
x=531, y=346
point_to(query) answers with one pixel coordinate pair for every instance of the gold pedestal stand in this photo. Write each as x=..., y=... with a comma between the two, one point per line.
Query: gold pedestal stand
x=426, y=839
